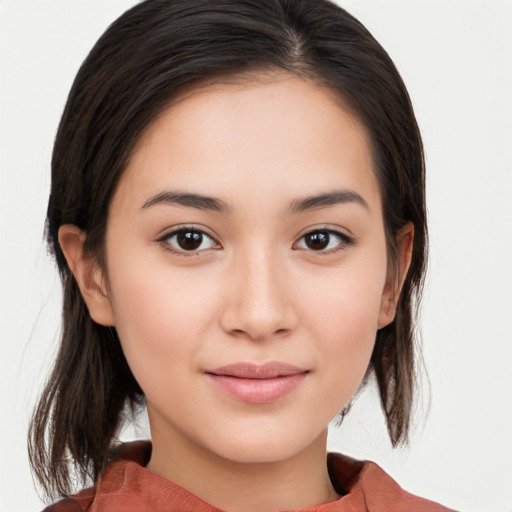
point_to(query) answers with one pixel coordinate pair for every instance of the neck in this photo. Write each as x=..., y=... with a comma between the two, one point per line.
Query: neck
x=299, y=482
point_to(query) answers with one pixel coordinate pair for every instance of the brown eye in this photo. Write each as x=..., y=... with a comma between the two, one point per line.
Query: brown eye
x=188, y=240
x=317, y=241
x=325, y=240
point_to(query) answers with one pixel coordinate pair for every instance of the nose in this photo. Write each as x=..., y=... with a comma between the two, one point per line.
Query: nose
x=259, y=303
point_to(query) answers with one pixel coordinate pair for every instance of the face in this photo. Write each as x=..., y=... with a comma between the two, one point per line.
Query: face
x=246, y=266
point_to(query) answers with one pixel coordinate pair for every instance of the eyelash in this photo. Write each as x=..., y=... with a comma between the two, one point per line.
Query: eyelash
x=165, y=241
x=345, y=241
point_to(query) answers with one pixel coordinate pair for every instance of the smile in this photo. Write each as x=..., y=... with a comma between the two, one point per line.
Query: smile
x=257, y=384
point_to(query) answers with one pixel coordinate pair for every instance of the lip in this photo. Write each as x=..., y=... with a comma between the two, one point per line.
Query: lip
x=257, y=384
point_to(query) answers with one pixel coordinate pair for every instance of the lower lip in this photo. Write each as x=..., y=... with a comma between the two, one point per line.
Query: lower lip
x=257, y=391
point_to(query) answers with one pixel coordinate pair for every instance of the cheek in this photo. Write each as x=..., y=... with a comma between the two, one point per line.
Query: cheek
x=347, y=301
x=160, y=316
x=348, y=337
x=344, y=316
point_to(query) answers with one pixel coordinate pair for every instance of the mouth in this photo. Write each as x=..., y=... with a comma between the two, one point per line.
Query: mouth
x=257, y=384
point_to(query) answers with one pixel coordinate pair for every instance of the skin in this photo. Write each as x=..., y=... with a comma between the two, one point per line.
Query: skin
x=254, y=291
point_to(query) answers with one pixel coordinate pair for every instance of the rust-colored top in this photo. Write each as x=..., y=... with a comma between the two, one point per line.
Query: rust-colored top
x=127, y=486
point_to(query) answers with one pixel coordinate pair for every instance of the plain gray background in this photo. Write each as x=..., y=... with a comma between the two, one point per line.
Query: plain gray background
x=455, y=57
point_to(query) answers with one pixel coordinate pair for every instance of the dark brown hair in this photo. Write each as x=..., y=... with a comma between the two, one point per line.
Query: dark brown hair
x=154, y=50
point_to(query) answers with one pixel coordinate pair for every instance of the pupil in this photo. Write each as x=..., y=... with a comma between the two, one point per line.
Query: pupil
x=189, y=240
x=317, y=241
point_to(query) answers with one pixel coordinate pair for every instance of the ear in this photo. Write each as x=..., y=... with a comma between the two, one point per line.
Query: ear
x=88, y=275
x=395, y=281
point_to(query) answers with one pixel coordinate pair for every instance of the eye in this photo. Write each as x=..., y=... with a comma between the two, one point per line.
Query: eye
x=185, y=240
x=325, y=240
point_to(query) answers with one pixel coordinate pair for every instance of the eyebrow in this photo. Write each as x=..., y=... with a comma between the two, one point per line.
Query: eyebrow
x=207, y=203
x=188, y=199
x=327, y=199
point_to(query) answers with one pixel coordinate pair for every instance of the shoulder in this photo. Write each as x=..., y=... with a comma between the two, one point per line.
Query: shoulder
x=81, y=502
x=111, y=482
x=371, y=489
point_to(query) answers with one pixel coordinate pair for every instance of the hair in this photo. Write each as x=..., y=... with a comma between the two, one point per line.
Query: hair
x=153, y=51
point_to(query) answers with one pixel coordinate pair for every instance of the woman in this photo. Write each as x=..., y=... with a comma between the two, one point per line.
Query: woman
x=237, y=210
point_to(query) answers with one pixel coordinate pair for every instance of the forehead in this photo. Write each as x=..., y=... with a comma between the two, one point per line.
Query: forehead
x=279, y=132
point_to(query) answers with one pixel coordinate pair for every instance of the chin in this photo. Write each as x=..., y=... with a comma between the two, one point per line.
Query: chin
x=266, y=447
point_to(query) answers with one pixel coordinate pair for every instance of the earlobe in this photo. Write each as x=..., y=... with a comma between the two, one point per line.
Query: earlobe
x=395, y=281
x=88, y=275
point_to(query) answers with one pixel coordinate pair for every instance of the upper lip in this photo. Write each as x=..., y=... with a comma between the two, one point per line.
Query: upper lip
x=257, y=371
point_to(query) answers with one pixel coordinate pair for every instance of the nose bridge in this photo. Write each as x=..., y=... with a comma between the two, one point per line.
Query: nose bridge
x=258, y=303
